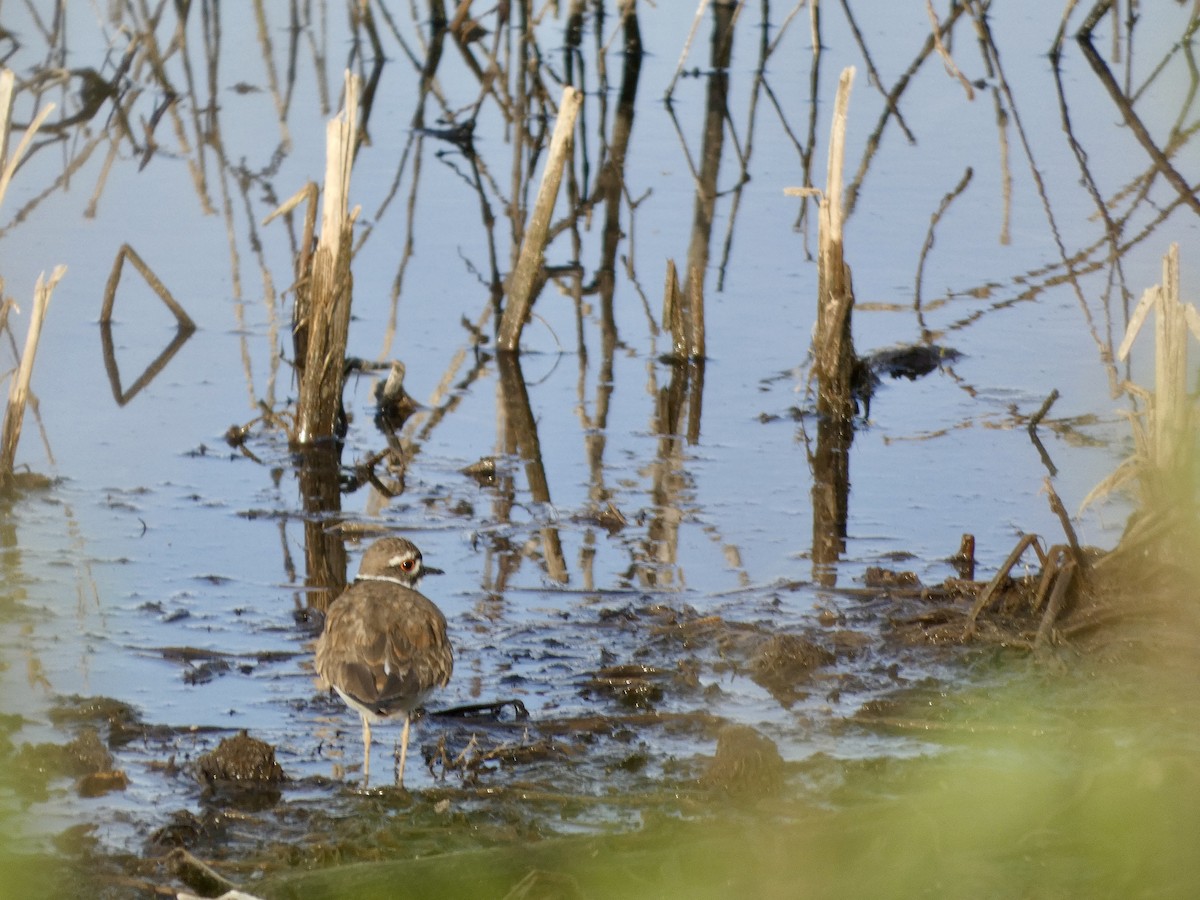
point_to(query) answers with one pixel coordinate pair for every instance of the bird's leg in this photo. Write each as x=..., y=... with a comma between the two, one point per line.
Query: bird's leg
x=366, y=751
x=403, y=752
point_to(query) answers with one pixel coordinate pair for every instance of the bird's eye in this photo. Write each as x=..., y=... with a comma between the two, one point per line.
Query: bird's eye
x=408, y=565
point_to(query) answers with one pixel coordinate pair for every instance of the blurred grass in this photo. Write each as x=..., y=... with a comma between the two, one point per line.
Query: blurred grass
x=1084, y=784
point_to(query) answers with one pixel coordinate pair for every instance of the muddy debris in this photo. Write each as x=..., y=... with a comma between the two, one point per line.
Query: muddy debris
x=186, y=829
x=783, y=662
x=241, y=759
x=879, y=577
x=199, y=666
x=84, y=758
x=242, y=772
x=122, y=722
x=632, y=686
x=475, y=760
x=97, y=784
x=608, y=517
x=747, y=763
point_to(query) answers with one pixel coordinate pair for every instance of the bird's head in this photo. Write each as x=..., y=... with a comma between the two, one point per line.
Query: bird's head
x=394, y=559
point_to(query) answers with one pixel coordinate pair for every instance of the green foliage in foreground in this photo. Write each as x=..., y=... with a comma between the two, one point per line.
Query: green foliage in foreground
x=1056, y=786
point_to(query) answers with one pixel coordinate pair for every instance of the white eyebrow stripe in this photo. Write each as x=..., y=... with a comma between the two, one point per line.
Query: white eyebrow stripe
x=396, y=560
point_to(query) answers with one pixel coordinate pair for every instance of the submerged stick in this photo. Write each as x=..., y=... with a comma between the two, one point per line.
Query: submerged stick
x=18, y=394
x=529, y=263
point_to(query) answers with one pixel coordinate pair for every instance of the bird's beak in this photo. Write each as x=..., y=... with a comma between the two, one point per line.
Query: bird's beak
x=430, y=570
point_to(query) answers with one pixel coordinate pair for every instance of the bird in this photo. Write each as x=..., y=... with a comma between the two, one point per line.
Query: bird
x=384, y=648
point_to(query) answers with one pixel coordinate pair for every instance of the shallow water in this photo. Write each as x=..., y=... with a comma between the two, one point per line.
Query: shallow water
x=156, y=534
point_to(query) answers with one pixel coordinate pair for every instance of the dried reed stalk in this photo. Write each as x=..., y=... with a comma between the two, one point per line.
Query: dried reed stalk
x=1170, y=428
x=529, y=262
x=18, y=392
x=8, y=165
x=323, y=301
x=7, y=80
x=1164, y=430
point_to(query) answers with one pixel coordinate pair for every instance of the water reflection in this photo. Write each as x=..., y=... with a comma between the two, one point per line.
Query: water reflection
x=319, y=471
x=518, y=436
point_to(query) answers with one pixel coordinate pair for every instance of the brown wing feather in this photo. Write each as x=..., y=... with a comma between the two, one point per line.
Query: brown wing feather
x=386, y=652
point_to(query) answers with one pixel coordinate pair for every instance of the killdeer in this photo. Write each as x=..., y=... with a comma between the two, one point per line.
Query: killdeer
x=384, y=648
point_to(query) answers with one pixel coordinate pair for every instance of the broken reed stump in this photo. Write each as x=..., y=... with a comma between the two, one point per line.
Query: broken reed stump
x=833, y=349
x=321, y=318
x=834, y=360
x=529, y=262
x=18, y=391
x=686, y=388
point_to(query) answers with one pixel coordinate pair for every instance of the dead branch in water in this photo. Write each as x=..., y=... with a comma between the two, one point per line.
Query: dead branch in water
x=110, y=289
x=933, y=223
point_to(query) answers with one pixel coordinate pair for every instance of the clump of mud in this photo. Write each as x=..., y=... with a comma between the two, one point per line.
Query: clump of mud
x=747, y=763
x=241, y=758
x=242, y=772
